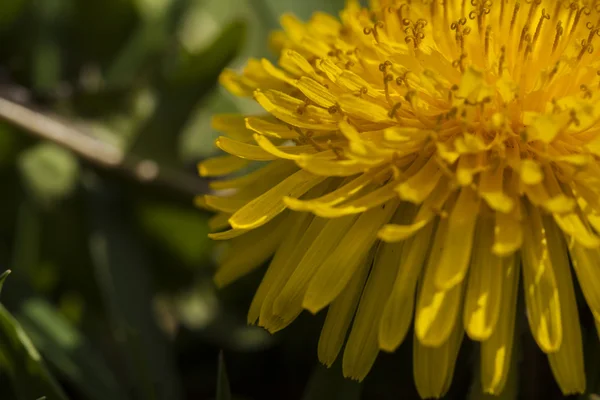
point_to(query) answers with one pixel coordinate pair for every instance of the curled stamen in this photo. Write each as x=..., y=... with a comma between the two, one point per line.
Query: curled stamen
x=403, y=80
x=534, y=5
x=394, y=109
x=459, y=63
x=385, y=65
x=514, y=17
x=488, y=33
x=387, y=78
x=363, y=90
x=403, y=7
x=585, y=47
x=338, y=151
x=587, y=93
x=501, y=60
x=538, y=29
x=374, y=30
x=522, y=38
x=553, y=72
x=583, y=10
x=573, y=118
x=482, y=8
x=559, y=32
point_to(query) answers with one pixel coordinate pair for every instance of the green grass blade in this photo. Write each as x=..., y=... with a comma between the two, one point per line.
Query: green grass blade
x=122, y=271
x=29, y=376
x=68, y=351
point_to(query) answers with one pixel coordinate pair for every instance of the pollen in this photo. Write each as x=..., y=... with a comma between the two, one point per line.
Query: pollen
x=416, y=161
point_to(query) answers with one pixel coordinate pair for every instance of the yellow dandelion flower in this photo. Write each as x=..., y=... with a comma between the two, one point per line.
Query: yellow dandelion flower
x=417, y=159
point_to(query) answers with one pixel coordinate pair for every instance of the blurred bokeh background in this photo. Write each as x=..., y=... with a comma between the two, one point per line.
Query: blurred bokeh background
x=105, y=111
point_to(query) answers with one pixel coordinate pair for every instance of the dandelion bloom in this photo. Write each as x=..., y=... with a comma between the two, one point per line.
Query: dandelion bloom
x=421, y=155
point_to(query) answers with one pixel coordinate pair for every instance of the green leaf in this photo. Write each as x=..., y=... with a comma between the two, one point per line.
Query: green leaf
x=185, y=83
x=329, y=384
x=3, y=277
x=183, y=231
x=223, y=389
x=153, y=34
x=203, y=67
x=198, y=136
x=68, y=350
x=303, y=9
x=121, y=268
x=10, y=144
x=49, y=172
x=9, y=11
x=20, y=359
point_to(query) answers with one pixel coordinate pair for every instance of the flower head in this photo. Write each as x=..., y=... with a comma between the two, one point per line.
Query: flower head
x=418, y=159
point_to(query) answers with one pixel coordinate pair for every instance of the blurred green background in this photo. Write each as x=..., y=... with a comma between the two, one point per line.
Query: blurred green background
x=110, y=295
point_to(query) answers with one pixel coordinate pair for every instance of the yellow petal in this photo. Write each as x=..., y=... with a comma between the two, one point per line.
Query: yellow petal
x=567, y=363
x=544, y=127
x=333, y=275
x=315, y=246
x=293, y=27
x=285, y=108
x=243, y=150
x=329, y=68
x=491, y=190
x=485, y=287
x=340, y=314
x=541, y=292
x=271, y=172
x=276, y=266
x=362, y=346
x=228, y=234
x=456, y=251
x=234, y=84
x=316, y=92
x=354, y=83
x=497, y=350
x=231, y=125
x=218, y=222
x=419, y=186
x=257, y=246
x=269, y=178
x=433, y=367
x=367, y=110
x=437, y=309
x=369, y=201
x=429, y=209
x=398, y=311
x=585, y=263
x=333, y=167
x=337, y=196
x=284, y=152
x=508, y=234
x=471, y=85
x=276, y=72
x=573, y=225
x=271, y=128
x=229, y=204
x=264, y=208
x=284, y=263
x=295, y=63
x=223, y=165
x=531, y=173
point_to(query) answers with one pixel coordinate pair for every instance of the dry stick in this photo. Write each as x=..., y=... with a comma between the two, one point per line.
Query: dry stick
x=97, y=152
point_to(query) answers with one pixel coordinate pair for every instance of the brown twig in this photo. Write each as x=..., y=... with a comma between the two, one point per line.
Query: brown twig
x=99, y=153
